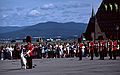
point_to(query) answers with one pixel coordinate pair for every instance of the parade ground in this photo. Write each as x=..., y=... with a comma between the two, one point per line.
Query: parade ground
x=63, y=66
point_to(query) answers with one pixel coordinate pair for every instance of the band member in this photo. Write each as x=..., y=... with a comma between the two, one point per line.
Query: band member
x=110, y=48
x=91, y=49
x=101, y=51
x=114, y=49
x=86, y=50
x=96, y=49
x=29, y=49
x=29, y=54
x=80, y=51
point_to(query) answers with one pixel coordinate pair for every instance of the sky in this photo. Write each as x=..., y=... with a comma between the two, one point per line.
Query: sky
x=31, y=12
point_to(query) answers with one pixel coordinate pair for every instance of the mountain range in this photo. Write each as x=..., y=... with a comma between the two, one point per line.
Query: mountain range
x=46, y=30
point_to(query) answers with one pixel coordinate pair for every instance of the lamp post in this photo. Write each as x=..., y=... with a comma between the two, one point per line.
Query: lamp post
x=117, y=28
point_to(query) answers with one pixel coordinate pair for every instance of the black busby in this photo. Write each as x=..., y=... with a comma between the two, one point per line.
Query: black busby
x=28, y=39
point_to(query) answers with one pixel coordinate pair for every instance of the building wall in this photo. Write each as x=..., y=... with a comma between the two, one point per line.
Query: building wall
x=107, y=19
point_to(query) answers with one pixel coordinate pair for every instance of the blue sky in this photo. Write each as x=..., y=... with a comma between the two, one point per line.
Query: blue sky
x=30, y=12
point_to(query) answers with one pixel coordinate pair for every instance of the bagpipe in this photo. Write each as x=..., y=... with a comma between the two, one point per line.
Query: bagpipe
x=27, y=54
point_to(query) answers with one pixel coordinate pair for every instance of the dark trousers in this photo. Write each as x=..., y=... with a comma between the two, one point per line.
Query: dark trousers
x=110, y=53
x=29, y=62
x=91, y=54
x=96, y=52
x=71, y=53
x=114, y=54
x=80, y=54
x=102, y=55
x=49, y=54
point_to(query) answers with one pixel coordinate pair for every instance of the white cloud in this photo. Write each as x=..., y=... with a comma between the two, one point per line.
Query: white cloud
x=4, y=16
x=34, y=13
x=48, y=6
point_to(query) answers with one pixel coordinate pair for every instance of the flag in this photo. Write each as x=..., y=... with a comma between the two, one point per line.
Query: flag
x=116, y=7
x=111, y=7
x=105, y=7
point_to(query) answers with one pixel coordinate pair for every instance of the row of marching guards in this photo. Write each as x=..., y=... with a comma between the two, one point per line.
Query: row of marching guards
x=100, y=49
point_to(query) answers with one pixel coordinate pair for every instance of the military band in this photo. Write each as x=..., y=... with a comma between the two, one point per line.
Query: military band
x=90, y=49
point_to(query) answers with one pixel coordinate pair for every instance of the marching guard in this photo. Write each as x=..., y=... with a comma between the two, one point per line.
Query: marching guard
x=96, y=49
x=102, y=50
x=80, y=51
x=110, y=48
x=115, y=44
x=92, y=49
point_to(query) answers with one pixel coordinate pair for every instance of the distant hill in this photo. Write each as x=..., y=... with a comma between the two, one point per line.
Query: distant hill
x=6, y=29
x=47, y=30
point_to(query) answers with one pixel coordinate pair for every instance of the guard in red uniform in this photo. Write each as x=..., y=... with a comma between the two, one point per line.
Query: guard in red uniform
x=96, y=49
x=115, y=44
x=110, y=49
x=92, y=49
x=102, y=50
x=29, y=49
x=80, y=51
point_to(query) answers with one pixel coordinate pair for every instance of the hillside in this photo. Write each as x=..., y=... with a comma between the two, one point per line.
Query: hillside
x=5, y=29
x=47, y=30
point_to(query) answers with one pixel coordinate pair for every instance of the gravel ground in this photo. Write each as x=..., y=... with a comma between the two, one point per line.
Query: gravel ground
x=63, y=66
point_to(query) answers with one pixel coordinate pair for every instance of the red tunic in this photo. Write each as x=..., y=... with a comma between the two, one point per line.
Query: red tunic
x=81, y=45
x=92, y=46
x=92, y=43
x=80, y=50
x=110, y=44
x=115, y=45
x=31, y=48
